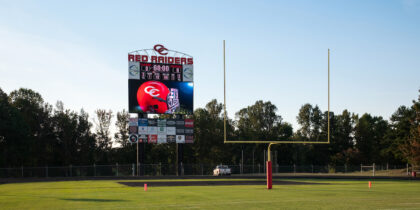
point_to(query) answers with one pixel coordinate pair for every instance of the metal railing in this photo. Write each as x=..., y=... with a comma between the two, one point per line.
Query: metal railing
x=123, y=170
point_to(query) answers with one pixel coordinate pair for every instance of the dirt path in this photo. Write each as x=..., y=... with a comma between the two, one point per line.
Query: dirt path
x=212, y=183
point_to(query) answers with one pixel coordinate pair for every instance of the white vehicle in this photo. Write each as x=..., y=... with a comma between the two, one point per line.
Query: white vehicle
x=221, y=170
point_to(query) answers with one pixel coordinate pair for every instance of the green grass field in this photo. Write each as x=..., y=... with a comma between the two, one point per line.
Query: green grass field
x=329, y=194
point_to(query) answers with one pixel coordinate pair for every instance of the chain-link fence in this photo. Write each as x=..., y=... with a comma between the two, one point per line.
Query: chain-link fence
x=124, y=170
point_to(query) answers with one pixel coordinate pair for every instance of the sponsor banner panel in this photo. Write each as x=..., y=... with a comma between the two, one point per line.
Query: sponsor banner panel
x=180, y=139
x=189, y=139
x=180, y=123
x=152, y=122
x=161, y=122
x=189, y=131
x=142, y=138
x=132, y=129
x=133, y=70
x=152, y=139
x=170, y=123
x=143, y=122
x=152, y=130
x=161, y=139
x=170, y=130
x=133, y=138
x=171, y=138
x=189, y=123
x=161, y=130
x=188, y=73
x=180, y=131
x=132, y=121
x=143, y=130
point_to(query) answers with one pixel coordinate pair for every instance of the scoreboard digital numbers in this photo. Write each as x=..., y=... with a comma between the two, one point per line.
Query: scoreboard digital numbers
x=163, y=72
x=159, y=83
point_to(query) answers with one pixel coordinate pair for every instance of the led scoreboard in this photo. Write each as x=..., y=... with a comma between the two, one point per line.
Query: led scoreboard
x=160, y=83
x=166, y=72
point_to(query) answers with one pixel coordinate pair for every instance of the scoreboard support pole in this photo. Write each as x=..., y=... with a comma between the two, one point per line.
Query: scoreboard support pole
x=137, y=165
x=177, y=161
x=180, y=159
x=141, y=160
x=140, y=149
x=179, y=154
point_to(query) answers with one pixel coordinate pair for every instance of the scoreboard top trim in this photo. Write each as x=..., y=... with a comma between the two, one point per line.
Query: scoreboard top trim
x=153, y=52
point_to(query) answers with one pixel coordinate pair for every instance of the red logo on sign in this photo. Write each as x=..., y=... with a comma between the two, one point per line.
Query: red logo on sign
x=189, y=123
x=160, y=49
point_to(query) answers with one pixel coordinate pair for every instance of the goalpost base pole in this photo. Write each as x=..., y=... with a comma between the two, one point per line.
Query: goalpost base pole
x=269, y=176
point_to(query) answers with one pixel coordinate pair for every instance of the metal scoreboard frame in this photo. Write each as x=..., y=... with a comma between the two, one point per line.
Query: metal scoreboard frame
x=160, y=82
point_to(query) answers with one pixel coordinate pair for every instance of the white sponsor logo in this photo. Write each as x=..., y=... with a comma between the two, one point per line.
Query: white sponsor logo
x=151, y=91
x=134, y=71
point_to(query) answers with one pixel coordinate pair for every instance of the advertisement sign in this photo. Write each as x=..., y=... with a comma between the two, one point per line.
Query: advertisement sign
x=189, y=139
x=133, y=138
x=133, y=70
x=152, y=130
x=180, y=131
x=162, y=131
x=143, y=122
x=143, y=130
x=189, y=123
x=170, y=123
x=187, y=73
x=161, y=139
x=142, y=138
x=180, y=139
x=132, y=121
x=161, y=122
x=170, y=138
x=170, y=130
x=152, y=139
x=132, y=129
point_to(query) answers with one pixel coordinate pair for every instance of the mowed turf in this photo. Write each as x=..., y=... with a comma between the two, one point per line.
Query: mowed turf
x=327, y=194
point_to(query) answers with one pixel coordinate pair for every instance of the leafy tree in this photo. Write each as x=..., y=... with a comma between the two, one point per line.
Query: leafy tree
x=103, y=138
x=13, y=134
x=209, y=134
x=370, y=137
x=37, y=116
x=310, y=119
x=85, y=139
x=65, y=124
x=411, y=148
x=121, y=136
x=103, y=132
x=261, y=122
x=258, y=121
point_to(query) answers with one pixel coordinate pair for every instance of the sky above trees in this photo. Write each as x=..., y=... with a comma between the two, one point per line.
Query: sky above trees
x=76, y=51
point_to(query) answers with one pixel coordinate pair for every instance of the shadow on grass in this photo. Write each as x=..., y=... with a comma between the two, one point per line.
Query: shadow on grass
x=91, y=199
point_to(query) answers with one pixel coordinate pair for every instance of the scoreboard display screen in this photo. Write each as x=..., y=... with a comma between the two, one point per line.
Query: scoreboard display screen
x=160, y=81
x=160, y=88
x=160, y=97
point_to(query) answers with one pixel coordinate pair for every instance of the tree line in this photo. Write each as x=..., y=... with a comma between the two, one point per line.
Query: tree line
x=35, y=133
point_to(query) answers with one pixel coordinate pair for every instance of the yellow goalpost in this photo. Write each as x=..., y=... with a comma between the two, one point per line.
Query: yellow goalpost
x=270, y=143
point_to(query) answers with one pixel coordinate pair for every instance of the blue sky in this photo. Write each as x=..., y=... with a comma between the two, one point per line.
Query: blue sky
x=76, y=51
